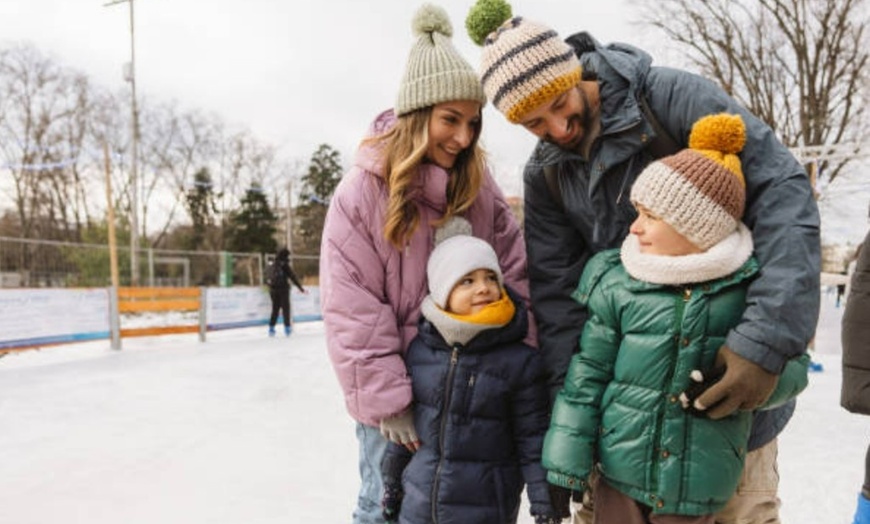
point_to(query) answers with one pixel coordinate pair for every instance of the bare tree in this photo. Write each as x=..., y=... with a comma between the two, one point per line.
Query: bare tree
x=42, y=135
x=244, y=163
x=175, y=146
x=109, y=126
x=799, y=65
x=54, y=123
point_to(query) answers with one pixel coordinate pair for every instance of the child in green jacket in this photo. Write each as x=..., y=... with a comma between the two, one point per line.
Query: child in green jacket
x=659, y=311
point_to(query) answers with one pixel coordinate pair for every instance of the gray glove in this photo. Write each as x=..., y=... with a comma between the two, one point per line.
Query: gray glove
x=400, y=429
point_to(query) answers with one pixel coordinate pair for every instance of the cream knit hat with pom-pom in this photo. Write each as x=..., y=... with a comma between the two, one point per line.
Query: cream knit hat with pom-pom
x=435, y=71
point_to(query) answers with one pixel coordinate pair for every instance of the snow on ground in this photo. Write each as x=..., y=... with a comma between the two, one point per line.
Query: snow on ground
x=244, y=428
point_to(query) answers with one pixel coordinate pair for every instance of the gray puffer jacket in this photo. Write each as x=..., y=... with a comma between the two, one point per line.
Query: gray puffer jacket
x=596, y=212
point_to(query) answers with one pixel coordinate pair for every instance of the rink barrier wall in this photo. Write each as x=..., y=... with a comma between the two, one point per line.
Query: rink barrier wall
x=33, y=318
x=160, y=300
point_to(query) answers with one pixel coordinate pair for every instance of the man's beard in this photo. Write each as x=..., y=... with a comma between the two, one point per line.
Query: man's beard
x=581, y=120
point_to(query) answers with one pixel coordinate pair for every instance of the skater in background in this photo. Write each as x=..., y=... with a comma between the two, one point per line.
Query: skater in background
x=280, y=275
x=855, y=392
x=420, y=165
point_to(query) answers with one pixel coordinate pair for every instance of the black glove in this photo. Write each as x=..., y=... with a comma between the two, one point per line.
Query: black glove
x=391, y=504
x=544, y=519
x=700, y=381
x=744, y=386
x=560, y=499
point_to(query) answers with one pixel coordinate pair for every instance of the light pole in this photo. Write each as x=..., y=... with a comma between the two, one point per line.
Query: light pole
x=130, y=76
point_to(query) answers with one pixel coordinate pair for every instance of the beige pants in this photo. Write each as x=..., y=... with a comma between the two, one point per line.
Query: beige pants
x=755, y=502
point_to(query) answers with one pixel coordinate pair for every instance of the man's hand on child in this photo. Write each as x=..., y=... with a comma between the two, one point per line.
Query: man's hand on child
x=744, y=386
x=700, y=382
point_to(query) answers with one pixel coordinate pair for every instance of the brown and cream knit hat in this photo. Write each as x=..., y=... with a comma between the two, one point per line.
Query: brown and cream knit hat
x=700, y=191
x=435, y=71
x=524, y=63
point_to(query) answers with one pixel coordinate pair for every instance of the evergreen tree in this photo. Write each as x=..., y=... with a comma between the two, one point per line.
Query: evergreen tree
x=200, y=204
x=251, y=228
x=318, y=184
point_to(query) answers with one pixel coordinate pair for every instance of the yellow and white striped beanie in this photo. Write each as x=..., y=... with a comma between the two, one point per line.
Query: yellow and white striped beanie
x=700, y=191
x=523, y=63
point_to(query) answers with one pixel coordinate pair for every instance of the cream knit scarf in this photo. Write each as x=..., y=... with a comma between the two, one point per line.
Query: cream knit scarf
x=720, y=260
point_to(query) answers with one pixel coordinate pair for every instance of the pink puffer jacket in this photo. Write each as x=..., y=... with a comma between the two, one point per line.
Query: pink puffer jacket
x=371, y=292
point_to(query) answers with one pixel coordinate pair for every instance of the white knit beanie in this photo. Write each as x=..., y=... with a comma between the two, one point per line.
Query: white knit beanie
x=435, y=72
x=456, y=254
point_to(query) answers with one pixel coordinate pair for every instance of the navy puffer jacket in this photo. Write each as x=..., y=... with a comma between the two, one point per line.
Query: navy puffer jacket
x=481, y=412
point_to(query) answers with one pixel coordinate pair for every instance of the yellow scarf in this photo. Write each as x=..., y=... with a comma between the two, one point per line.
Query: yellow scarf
x=498, y=313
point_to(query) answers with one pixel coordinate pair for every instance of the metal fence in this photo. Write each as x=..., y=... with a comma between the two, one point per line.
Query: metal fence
x=45, y=263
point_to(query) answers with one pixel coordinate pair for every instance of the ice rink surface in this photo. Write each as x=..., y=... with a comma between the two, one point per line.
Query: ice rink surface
x=244, y=428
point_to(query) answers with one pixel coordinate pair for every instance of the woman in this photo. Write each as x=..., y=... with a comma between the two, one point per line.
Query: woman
x=420, y=165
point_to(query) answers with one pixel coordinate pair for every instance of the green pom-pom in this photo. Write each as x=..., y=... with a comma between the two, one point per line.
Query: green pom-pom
x=430, y=19
x=486, y=16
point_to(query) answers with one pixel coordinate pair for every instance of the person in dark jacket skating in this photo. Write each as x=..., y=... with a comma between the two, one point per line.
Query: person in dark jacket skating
x=280, y=275
x=480, y=400
x=602, y=114
x=855, y=335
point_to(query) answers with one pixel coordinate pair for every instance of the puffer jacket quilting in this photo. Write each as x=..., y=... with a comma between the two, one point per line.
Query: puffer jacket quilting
x=855, y=390
x=619, y=404
x=481, y=412
x=371, y=292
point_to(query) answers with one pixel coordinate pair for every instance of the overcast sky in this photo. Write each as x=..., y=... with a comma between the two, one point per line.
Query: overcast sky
x=296, y=73
x=300, y=73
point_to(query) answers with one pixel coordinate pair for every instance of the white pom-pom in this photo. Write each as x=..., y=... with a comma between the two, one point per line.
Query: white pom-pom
x=454, y=226
x=431, y=18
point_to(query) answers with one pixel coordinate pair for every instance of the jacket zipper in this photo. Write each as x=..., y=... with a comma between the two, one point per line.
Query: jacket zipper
x=625, y=175
x=445, y=414
x=682, y=299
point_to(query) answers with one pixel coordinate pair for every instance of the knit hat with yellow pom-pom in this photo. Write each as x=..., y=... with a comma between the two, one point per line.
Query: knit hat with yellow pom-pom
x=699, y=191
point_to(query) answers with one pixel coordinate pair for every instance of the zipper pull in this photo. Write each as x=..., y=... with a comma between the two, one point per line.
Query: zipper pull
x=687, y=294
x=454, y=356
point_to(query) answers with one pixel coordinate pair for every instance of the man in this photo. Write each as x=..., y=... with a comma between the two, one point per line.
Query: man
x=602, y=113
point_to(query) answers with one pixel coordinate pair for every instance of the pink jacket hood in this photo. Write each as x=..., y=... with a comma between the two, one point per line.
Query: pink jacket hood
x=371, y=292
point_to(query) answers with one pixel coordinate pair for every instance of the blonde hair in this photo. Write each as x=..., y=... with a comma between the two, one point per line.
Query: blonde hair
x=404, y=149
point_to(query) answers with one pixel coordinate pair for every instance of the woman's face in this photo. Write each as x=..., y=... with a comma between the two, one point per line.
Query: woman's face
x=452, y=129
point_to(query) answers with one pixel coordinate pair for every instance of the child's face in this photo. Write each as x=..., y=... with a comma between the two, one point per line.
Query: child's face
x=657, y=237
x=473, y=292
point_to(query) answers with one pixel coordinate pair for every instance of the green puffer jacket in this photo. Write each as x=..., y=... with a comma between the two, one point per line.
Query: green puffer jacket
x=619, y=408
